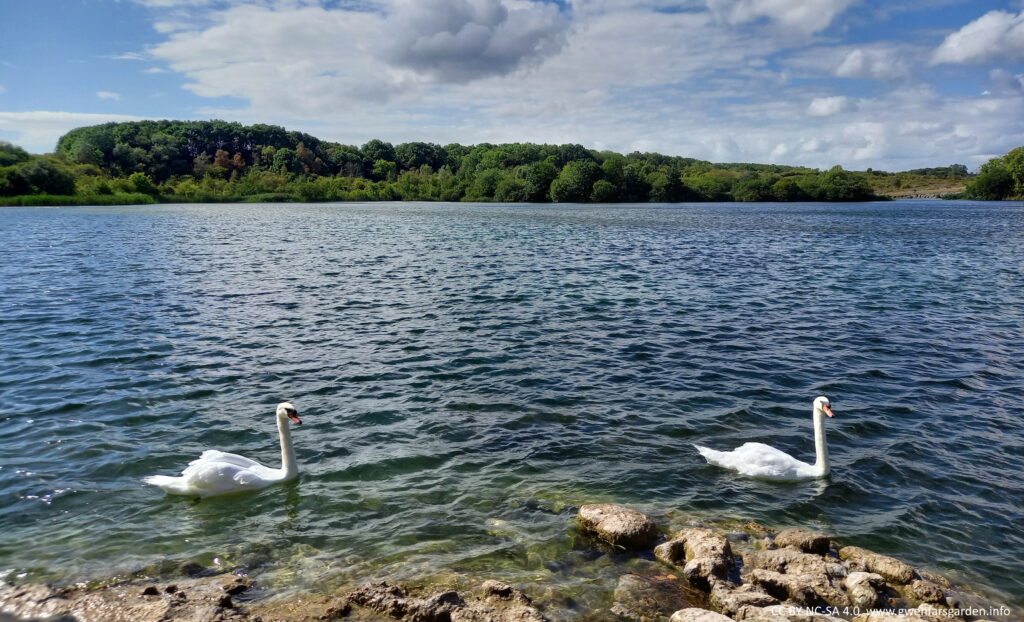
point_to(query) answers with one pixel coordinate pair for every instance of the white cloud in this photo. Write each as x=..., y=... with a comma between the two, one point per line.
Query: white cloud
x=995, y=36
x=129, y=56
x=2, y=89
x=155, y=70
x=714, y=79
x=463, y=40
x=38, y=130
x=108, y=95
x=882, y=60
x=802, y=16
x=1005, y=82
x=828, y=106
x=879, y=63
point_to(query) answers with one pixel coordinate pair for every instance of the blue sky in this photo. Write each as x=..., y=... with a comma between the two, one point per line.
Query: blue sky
x=890, y=85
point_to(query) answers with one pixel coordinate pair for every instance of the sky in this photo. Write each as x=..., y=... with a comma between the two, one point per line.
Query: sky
x=889, y=85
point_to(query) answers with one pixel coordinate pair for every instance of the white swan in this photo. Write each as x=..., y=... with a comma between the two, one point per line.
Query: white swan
x=764, y=461
x=217, y=473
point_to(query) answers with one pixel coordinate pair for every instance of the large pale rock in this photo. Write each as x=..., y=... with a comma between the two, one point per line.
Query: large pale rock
x=802, y=575
x=618, y=525
x=803, y=539
x=641, y=597
x=891, y=568
x=703, y=553
x=864, y=588
x=729, y=598
x=698, y=615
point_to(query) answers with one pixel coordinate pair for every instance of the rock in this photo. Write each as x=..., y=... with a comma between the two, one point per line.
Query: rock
x=927, y=592
x=785, y=587
x=693, y=614
x=863, y=588
x=707, y=555
x=786, y=561
x=504, y=592
x=503, y=603
x=891, y=568
x=191, y=600
x=236, y=586
x=191, y=569
x=618, y=525
x=394, y=601
x=800, y=572
x=640, y=597
x=804, y=540
x=729, y=598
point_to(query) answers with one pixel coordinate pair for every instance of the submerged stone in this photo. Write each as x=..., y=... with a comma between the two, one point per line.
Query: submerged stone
x=640, y=597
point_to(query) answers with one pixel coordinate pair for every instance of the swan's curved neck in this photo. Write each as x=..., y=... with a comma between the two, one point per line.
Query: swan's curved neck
x=288, y=464
x=820, y=445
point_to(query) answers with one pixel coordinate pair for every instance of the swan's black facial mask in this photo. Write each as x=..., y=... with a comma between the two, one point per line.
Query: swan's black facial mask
x=294, y=415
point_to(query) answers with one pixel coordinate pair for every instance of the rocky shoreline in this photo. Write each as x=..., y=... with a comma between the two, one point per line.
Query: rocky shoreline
x=703, y=575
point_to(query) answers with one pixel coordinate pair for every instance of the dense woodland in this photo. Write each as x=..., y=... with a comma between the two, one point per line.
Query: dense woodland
x=190, y=161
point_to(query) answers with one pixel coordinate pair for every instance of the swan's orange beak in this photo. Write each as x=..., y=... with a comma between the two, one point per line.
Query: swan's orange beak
x=827, y=409
x=294, y=416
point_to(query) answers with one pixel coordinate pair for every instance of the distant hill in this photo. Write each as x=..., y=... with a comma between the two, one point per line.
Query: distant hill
x=190, y=161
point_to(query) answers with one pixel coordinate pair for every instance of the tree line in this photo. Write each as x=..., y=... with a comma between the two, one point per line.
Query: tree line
x=188, y=161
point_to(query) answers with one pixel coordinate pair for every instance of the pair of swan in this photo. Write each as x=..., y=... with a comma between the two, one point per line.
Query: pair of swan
x=218, y=473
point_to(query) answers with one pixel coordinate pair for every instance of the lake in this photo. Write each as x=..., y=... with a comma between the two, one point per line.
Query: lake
x=468, y=374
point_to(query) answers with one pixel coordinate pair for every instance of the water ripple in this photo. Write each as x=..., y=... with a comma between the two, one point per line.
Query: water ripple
x=468, y=374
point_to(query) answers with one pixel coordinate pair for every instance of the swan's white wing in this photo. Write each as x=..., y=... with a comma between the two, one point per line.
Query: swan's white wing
x=206, y=477
x=759, y=460
x=214, y=455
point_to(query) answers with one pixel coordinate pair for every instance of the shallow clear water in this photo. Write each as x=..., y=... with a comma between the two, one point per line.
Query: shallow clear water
x=467, y=373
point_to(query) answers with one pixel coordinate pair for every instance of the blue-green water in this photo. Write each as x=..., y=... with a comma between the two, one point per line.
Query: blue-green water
x=466, y=372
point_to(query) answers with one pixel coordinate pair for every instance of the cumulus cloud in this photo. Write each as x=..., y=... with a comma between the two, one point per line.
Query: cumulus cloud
x=713, y=79
x=108, y=95
x=828, y=106
x=995, y=36
x=463, y=40
x=802, y=16
x=879, y=63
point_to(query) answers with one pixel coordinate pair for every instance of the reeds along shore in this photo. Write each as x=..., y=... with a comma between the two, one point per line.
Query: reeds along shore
x=704, y=574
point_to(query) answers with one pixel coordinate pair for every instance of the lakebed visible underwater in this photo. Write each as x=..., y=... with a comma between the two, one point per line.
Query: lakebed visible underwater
x=468, y=374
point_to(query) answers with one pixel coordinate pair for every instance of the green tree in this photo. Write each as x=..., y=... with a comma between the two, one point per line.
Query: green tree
x=385, y=170
x=511, y=190
x=604, y=192
x=993, y=183
x=11, y=154
x=44, y=177
x=142, y=183
x=538, y=177
x=378, y=150
x=837, y=184
x=576, y=182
